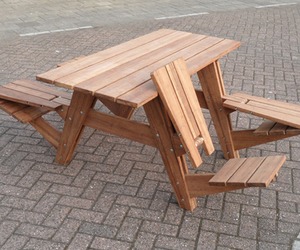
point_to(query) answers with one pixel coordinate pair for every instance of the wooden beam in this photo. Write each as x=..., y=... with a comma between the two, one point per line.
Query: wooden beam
x=121, y=127
x=246, y=138
x=118, y=109
x=51, y=134
x=198, y=185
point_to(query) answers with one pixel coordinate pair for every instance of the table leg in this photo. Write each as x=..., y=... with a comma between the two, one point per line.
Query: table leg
x=74, y=125
x=175, y=165
x=213, y=88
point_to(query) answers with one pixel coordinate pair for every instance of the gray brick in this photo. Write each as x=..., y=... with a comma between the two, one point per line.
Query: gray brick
x=173, y=214
x=248, y=227
x=236, y=242
x=76, y=202
x=93, y=190
x=146, y=214
x=15, y=202
x=116, y=215
x=65, y=190
x=103, y=243
x=46, y=203
x=6, y=230
x=15, y=242
x=56, y=178
x=129, y=229
x=56, y=216
x=38, y=244
x=67, y=231
x=144, y=240
x=174, y=243
x=38, y=190
x=190, y=228
x=35, y=231
x=86, y=215
x=104, y=202
x=26, y=216
x=207, y=240
x=12, y=190
x=83, y=178
x=133, y=201
x=30, y=179
x=80, y=241
x=159, y=228
x=98, y=230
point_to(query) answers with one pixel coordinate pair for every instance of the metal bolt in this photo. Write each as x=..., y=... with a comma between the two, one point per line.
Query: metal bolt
x=182, y=200
x=81, y=112
x=65, y=145
x=171, y=149
x=70, y=118
x=177, y=183
x=62, y=110
x=157, y=135
x=180, y=146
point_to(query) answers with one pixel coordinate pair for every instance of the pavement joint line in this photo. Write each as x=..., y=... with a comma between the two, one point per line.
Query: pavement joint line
x=55, y=31
x=179, y=16
x=273, y=5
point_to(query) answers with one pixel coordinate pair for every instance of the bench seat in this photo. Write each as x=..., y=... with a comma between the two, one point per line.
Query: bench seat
x=274, y=110
x=27, y=100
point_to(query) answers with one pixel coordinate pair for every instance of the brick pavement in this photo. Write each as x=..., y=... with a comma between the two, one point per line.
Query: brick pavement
x=115, y=193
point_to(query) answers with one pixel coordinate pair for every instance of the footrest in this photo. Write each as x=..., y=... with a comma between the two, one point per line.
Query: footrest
x=275, y=128
x=248, y=172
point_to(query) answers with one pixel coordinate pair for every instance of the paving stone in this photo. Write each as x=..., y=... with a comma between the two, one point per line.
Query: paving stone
x=103, y=243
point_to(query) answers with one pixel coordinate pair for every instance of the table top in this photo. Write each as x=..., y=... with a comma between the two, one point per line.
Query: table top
x=122, y=73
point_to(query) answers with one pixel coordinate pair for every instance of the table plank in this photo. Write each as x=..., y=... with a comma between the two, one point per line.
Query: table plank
x=51, y=75
x=195, y=59
x=90, y=76
x=142, y=75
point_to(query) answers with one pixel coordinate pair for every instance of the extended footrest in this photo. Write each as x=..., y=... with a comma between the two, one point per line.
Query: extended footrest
x=248, y=172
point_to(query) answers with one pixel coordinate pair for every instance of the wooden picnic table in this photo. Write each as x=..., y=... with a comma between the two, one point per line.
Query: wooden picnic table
x=120, y=78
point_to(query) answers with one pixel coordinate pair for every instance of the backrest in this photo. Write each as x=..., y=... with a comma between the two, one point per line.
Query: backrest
x=177, y=93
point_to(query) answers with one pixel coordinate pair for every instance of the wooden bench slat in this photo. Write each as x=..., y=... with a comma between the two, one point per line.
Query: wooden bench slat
x=273, y=115
x=43, y=88
x=29, y=91
x=56, y=73
x=278, y=129
x=266, y=171
x=11, y=107
x=277, y=103
x=264, y=128
x=30, y=113
x=20, y=97
x=245, y=171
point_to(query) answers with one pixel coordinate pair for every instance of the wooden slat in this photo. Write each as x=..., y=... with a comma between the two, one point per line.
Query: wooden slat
x=211, y=55
x=175, y=111
x=125, y=65
x=20, y=97
x=226, y=172
x=44, y=88
x=245, y=171
x=139, y=79
x=51, y=75
x=267, y=171
x=291, y=131
x=191, y=103
x=264, y=128
x=261, y=111
x=29, y=91
x=11, y=107
x=30, y=113
x=62, y=101
x=278, y=129
x=277, y=103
